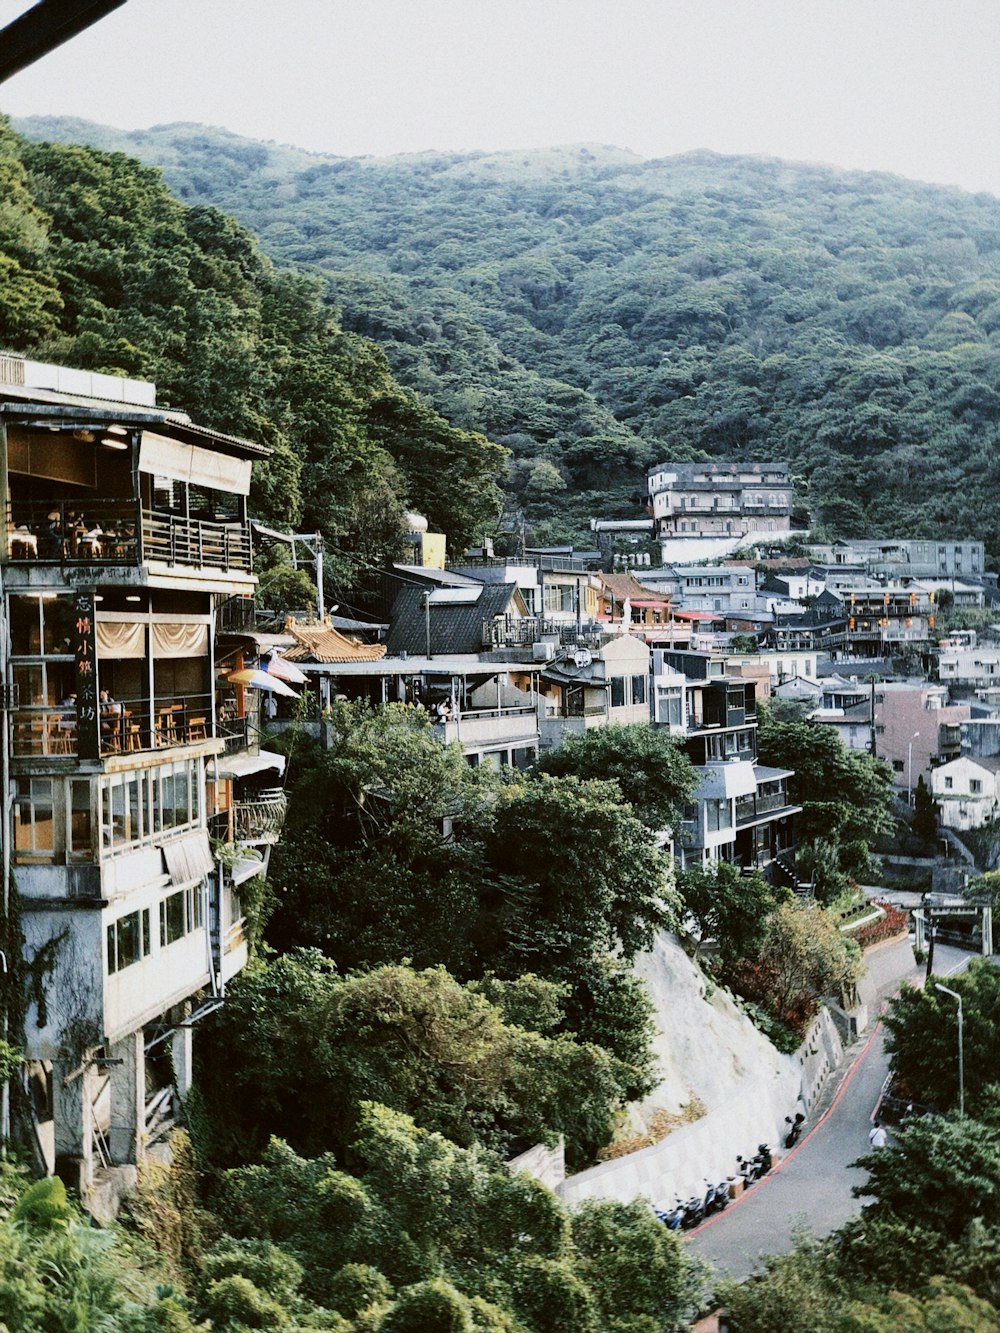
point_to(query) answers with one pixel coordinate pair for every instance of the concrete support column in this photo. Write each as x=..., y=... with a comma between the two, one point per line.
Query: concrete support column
x=182, y=1050
x=128, y=1100
x=73, y=1117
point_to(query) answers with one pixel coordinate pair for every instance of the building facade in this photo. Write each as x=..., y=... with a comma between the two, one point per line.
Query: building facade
x=127, y=544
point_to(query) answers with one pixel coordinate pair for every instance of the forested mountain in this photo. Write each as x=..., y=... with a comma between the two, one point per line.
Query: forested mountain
x=101, y=268
x=596, y=312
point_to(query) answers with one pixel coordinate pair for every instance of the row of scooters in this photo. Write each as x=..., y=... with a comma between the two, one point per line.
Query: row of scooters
x=684, y=1215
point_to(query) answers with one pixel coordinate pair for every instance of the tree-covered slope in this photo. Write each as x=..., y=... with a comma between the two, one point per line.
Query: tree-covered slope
x=102, y=268
x=597, y=312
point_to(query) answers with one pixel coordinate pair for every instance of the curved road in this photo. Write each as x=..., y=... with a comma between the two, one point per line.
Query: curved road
x=810, y=1187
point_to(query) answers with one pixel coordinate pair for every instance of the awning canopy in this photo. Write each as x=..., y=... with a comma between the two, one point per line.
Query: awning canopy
x=189, y=859
x=164, y=457
x=244, y=765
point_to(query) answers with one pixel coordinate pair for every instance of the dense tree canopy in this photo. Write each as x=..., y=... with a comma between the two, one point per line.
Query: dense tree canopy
x=104, y=270
x=597, y=313
x=653, y=773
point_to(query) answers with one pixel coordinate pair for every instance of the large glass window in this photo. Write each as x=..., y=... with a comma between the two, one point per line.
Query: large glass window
x=617, y=691
x=180, y=914
x=142, y=805
x=128, y=940
x=638, y=689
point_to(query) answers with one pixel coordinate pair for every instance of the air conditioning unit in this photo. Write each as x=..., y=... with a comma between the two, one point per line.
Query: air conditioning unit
x=543, y=652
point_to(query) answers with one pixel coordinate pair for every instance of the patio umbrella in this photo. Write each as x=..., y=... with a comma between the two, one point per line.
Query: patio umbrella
x=277, y=666
x=260, y=680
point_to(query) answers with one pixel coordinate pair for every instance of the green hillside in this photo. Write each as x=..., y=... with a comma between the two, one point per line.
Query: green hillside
x=101, y=268
x=596, y=312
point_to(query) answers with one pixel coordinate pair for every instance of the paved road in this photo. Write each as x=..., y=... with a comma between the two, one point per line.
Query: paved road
x=811, y=1186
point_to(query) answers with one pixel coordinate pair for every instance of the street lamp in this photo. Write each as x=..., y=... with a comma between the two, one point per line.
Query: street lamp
x=961, y=1054
x=909, y=769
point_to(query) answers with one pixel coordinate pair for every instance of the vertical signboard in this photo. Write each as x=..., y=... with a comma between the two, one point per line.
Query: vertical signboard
x=88, y=728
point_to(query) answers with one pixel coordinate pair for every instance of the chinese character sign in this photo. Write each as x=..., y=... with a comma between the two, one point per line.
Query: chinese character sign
x=85, y=651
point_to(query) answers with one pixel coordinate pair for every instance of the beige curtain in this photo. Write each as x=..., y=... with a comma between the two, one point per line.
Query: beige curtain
x=120, y=640
x=180, y=640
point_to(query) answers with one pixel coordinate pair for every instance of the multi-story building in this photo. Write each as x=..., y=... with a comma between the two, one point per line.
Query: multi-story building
x=126, y=540
x=719, y=499
x=740, y=811
x=899, y=558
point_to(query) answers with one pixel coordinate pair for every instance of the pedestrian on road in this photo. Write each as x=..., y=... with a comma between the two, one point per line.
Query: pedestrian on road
x=877, y=1136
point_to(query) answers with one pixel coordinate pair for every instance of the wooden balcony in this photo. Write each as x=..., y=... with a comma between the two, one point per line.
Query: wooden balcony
x=117, y=532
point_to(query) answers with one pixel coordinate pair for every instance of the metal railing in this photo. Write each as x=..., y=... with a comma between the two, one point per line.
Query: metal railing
x=261, y=817
x=205, y=543
x=749, y=808
x=118, y=532
x=125, y=726
x=73, y=531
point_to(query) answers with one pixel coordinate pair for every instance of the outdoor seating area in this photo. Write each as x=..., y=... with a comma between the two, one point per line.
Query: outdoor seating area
x=71, y=530
x=124, y=727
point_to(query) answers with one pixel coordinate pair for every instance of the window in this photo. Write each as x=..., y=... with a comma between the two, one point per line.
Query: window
x=34, y=820
x=975, y=786
x=668, y=707
x=638, y=689
x=617, y=691
x=897, y=765
x=180, y=914
x=948, y=784
x=139, y=806
x=560, y=597
x=719, y=815
x=128, y=940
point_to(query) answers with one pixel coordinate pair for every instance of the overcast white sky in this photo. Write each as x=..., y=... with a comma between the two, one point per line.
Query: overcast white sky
x=908, y=86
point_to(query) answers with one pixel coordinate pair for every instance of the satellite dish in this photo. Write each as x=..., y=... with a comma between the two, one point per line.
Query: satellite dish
x=582, y=657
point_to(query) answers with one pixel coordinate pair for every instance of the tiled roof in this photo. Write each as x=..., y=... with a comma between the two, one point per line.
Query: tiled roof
x=320, y=642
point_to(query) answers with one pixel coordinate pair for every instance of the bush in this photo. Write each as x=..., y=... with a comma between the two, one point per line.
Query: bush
x=356, y=1286
x=428, y=1307
x=270, y=1268
x=235, y=1301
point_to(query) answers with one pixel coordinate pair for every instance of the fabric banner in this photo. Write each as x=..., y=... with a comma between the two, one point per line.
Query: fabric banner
x=163, y=457
x=180, y=640
x=116, y=639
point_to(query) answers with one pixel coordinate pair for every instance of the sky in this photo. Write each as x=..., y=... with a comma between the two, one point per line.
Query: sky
x=905, y=86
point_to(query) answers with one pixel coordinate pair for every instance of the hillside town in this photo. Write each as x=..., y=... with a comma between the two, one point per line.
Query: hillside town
x=143, y=670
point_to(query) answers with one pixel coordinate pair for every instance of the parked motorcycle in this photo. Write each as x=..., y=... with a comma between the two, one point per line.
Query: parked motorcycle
x=763, y=1156
x=694, y=1212
x=717, y=1196
x=671, y=1217
x=749, y=1170
x=794, y=1129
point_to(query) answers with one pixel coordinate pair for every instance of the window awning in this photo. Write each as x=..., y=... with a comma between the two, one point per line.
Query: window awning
x=164, y=457
x=189, y=859
x=246, y=868
x=244, y=765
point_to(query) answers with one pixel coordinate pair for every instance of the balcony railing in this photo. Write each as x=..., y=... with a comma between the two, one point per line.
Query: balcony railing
x=260, y=818
x=126, y=726
x=204, y=543
x=752, y=807
x=62, y=531
x=117, y=532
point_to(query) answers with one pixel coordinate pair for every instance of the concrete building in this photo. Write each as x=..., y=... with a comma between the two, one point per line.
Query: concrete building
x=916, y=728
x=719, y=500
x=906, y=557
x=126, y=551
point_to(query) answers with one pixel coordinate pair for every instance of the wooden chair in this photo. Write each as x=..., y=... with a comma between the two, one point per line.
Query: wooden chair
x=133, y=735
x=197, y=729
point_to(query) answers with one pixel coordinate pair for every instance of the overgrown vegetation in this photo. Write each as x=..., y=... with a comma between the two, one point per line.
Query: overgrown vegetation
x=597, y=313
x=102, y=269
